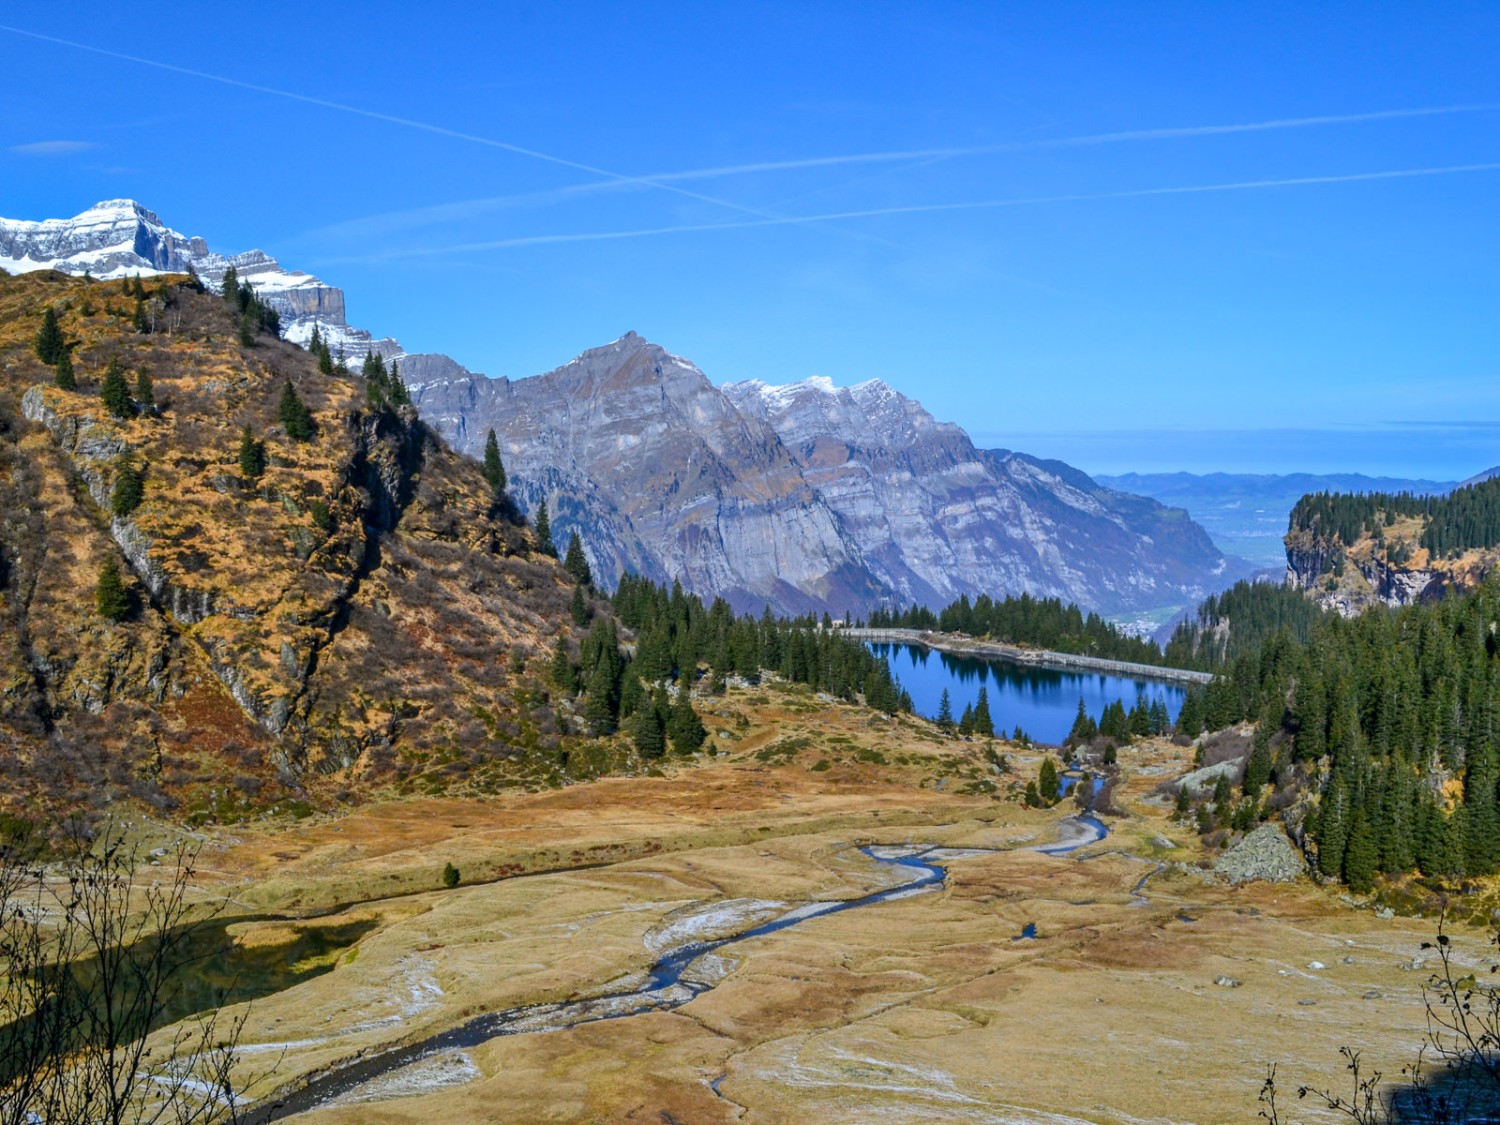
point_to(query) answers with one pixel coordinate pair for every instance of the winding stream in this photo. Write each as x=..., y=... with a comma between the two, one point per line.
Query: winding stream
x=679, y=975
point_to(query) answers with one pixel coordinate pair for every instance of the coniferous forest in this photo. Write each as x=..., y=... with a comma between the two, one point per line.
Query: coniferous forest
x=1392, y=718
x=1465, y=519
x=1041, y=622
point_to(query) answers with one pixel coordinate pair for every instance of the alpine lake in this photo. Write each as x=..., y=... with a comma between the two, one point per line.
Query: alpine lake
x=1041, y=701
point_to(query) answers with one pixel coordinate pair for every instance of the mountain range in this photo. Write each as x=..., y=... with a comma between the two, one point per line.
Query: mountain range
x=1246, y=513
x=802, y=498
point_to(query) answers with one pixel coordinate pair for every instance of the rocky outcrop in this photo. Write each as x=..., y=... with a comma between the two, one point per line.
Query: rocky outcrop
x=1349, y=579
x=363, y=593
x=1265, y=854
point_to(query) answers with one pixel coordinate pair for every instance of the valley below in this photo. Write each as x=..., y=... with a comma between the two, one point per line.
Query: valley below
x=1107, y=981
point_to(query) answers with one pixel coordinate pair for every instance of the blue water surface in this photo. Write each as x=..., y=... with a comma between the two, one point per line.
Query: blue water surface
x=1041, y=701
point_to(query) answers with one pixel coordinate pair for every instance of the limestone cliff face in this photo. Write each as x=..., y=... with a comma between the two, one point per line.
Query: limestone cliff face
x=937, y=518
x=1351, y=578
x=120, y=238
x=808, y=497
x=660, y=474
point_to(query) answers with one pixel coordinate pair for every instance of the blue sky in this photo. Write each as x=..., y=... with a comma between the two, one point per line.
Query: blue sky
x=1136, y=236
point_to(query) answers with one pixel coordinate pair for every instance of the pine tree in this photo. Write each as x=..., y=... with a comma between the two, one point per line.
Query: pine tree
x=114, y=392
x=395, y=388
x=110, y=596
x=1333, y=829
x=544, y=530
x=945, y=712
x=1084, y=727
x=648, y=731
x=65, y=377
x=984, y=725
x=687, y=730
x=252, y=456
x=564, y=676
x=966, y=720
x=576, y=563
x=1360, y=859
x=50, y=344
x=128, y=491
x=1048, y=783
x=598, y=708
x=145, y=393
x=1190, y=718
x=296, y=420
x=494, y=469
x=1258, y=767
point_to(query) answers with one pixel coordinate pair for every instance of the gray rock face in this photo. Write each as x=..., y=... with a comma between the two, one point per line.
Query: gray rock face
x=1265, y=854
x=936, y=518
x=802, y=498
x=119, y=237
x=806, y=497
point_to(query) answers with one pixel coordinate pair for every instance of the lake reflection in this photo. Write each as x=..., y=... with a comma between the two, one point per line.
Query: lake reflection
x=1041, y=701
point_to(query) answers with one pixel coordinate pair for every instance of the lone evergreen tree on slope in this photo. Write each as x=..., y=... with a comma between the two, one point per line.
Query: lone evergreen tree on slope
x=494, y=469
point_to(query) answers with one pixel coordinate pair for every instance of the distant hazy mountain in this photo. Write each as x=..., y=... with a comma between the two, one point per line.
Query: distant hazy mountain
x=1247, y=513
x=804, y=497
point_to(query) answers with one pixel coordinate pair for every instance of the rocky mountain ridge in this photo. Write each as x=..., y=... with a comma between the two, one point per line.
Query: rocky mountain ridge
x=119, y=238
x=359, y=608
x=806, y=497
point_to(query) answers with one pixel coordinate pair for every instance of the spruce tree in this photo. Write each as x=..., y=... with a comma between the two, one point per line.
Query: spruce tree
x=395, y=387
x=687, y=730
x=494, y=468
x=252, y=455
x=984, y=725
x=145, y=393
x=576, y=563
x=579, y=608
x=296, y=420
x=1047, y=785
x=945, y=712
x=50, y=344
x=128, y=491
x=1258, y=767
x=564, y=676
x=1360, y=858
x=544, y=530
x=65, y=377
x=229, y=288
x=114, y=392
x=648, y=731
x=598, y=708
x=1084, y=727
x=110, y=596
x=139, y=319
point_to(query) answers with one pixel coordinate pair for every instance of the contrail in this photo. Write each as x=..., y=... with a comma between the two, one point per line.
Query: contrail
x=1161, y=134
x=928, y=208
x=466, y=209
x=391, y=119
